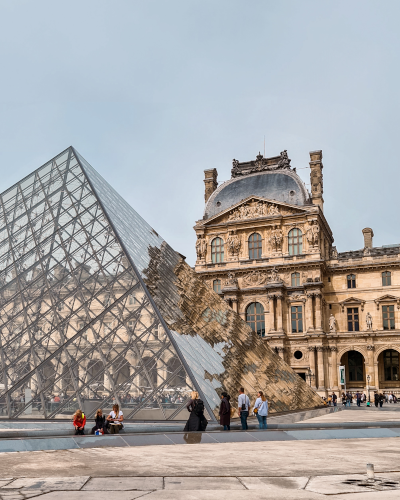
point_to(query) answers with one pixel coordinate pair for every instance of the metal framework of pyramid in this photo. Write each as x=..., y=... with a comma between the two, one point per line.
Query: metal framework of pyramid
x=97, y=308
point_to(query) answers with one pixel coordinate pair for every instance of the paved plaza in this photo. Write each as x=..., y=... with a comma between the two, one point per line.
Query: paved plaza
x=291, y=469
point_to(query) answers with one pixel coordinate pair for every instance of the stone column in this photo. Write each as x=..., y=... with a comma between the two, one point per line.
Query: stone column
x=335, y=370
x=309, y=313
x=271, y=299
x=318, y=312
x=235, y=305
x=321, y=373
x=370, y=365
x=311, y=350
x=279, y=314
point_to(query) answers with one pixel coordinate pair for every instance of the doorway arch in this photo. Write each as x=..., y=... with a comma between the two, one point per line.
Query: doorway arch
x=354, y=363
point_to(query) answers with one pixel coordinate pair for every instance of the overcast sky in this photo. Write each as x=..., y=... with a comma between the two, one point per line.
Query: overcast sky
x=151, y=93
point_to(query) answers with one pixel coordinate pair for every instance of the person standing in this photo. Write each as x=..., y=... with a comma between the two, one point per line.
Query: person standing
x=197, y=421
x=225, y=411
x=261, y=410
x=334, y=399
x=376, y=399
x=243, y=405
x=358, y=397
x=381, y=399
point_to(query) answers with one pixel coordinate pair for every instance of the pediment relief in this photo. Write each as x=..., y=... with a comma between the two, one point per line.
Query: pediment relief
x=352, y=301
x=387, y=299
x=254, y=208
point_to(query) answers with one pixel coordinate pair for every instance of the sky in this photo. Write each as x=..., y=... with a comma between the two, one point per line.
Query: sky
x=152, y=93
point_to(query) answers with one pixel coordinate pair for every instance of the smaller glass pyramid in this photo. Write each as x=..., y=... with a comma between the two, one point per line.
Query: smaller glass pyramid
x=97, y=308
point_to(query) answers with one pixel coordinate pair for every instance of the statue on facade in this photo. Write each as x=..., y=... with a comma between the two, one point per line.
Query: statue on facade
x=274, y=276
x=332, y=324
x=312, y=233
x=334, y=253
x=233, y=243
x=231, y=280
x=284, y=162
x=276, y=239
x=273, y=210
x=201, y=247
x=368, y=319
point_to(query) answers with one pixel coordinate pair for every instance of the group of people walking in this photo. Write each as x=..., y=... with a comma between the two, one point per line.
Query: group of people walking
x=198, y=422
x=348, y=398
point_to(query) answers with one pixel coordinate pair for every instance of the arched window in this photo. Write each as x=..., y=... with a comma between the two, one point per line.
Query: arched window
x=295, y=279
x=351, y=281
x=217, y=250
x=356, y=366
x=217, y=286
x=255, y=246
x=386, y=278
x=391, y=364
x=255, y=318
x=295, y=237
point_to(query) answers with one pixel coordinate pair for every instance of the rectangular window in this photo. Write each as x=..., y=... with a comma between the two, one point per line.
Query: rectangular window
x=388, y=317
x=351, y=281
x=297, y=319
x=132, y=300
x=386, y=278
x=353, y=324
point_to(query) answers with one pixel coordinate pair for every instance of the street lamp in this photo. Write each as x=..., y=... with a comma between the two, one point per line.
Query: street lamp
x=368, y=380
x=310, y=376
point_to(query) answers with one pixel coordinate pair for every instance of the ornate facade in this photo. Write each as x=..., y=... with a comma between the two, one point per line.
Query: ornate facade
x=265, y=246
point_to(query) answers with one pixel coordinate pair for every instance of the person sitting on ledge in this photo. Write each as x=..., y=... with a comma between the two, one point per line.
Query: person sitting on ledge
x=100, y=423
x=79, y=422
x=115, y=419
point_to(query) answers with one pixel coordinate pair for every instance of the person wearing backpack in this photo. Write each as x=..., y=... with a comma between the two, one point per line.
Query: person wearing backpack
x=261, y=410
x=197, y=421
x=243, y=406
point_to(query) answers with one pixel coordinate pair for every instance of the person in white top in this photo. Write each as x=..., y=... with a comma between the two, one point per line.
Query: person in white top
x=261, y=410
x=243, y=406
x=115, y=419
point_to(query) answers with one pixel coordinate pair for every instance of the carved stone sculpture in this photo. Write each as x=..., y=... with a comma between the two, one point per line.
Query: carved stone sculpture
x=368, y=319
x=274, y=276
x=312, y=233
x=231, y=280
x=248, y=211
x=332, y=324
x=255, y=278
x=284, y=162
x=201, y=247
x=233, y=244
x=334, y=253
x=260, y=164
x=276, y=238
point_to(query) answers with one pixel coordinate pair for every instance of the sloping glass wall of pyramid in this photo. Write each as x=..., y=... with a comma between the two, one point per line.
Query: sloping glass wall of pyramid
x=97, y=308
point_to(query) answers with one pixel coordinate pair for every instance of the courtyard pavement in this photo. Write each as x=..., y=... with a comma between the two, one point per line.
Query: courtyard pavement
x=295, y=469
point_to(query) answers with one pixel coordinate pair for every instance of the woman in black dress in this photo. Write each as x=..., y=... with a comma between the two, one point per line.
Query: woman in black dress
x=196, y=421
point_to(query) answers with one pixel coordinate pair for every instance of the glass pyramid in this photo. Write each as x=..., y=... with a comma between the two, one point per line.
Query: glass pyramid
x=97, y=308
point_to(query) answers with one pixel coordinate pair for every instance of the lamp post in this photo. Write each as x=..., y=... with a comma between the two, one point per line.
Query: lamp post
x=368, y=380
x=310, y=376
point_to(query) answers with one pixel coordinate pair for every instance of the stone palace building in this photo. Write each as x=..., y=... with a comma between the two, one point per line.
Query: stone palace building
x=266, y=247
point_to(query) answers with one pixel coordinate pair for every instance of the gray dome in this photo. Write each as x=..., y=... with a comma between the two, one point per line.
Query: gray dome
x=284, y=185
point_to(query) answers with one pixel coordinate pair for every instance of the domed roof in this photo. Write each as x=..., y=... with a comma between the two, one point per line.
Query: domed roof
x=279, y=185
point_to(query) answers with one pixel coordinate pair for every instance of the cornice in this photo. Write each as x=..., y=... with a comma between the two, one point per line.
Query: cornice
x=362, y=266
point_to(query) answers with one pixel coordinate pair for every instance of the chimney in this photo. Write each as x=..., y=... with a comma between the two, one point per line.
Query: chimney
x=316, y=179
x=368, y=235
x=210, y=180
